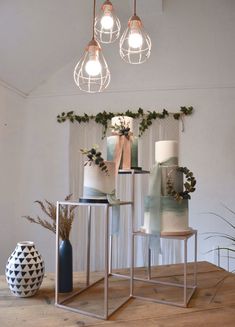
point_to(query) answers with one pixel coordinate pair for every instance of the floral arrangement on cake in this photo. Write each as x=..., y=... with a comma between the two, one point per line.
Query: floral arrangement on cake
x=189, y=185
x=49, y=209
x=122, y=129
x=95, y=156
x=122, y=146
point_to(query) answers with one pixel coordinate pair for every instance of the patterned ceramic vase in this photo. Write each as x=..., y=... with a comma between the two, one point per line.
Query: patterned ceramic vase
x=24, y=270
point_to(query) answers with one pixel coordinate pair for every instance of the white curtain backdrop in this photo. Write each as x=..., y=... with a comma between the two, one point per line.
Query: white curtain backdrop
x=85, y=136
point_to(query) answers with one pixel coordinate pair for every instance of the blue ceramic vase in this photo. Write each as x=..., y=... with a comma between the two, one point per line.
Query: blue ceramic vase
x=65, y=267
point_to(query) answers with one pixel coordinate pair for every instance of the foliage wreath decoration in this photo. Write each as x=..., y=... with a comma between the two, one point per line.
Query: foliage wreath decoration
x=189, y=185
x=103, y=118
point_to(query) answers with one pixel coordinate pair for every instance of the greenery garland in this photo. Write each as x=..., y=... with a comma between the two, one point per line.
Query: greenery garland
x=189, y=185
x=103, y=118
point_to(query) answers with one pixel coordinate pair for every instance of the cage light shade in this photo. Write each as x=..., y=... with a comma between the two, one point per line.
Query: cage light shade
x=91, y=73
x=135, y=44
x=107, y=24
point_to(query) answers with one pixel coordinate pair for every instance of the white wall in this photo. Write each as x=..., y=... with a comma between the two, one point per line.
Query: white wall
x=11, y=137
x=34, y=165
x=192, y=63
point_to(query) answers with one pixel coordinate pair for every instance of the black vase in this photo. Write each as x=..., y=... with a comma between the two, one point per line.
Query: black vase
x=65, y=267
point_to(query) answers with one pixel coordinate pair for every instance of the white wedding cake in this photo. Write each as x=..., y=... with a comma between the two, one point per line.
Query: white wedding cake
x=163, y=213
x=122, y=146
x=98, y=183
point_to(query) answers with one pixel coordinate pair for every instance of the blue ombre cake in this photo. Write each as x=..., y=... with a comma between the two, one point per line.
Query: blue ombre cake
x=163, y=214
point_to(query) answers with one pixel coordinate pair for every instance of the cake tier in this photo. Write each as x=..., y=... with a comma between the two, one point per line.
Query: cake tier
x=166, y=216
x=98, y=183
x=112, y=143
x=162, y=212
x=174, y=215
x=123, y=121
x=166, y=151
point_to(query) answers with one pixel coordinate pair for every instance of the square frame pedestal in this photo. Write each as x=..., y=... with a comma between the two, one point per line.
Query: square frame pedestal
x=107, y=211
x=192, y=287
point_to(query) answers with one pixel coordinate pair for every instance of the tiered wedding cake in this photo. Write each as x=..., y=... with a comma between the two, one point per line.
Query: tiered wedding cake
x=99, y=178
x=163, y=213
x=122, y=146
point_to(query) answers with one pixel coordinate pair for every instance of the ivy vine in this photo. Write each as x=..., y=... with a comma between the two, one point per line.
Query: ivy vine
x=104, y=118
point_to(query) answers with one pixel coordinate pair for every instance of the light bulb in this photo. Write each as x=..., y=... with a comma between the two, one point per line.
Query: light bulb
x=107, y=22
x=135, y=40
x=93, y=67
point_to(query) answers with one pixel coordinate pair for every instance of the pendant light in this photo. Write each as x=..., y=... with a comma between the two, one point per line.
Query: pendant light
x=91, y=73
x=135, y=44
x=107, y=24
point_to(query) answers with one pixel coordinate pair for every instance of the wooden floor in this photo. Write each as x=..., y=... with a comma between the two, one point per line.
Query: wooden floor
x=213, y=303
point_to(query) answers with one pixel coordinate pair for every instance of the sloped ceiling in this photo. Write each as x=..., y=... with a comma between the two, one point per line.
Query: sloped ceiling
x=39, y=37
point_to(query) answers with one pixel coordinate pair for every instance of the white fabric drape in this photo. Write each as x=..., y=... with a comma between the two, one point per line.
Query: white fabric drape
x=85, y=136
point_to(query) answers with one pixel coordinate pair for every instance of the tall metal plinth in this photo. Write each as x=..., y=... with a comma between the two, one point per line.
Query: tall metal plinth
x=107, y=208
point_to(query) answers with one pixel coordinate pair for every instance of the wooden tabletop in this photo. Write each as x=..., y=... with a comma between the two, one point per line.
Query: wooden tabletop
x=213, y=303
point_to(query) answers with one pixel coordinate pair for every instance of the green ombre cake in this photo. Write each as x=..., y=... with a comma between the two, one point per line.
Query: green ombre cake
x=163, y=213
